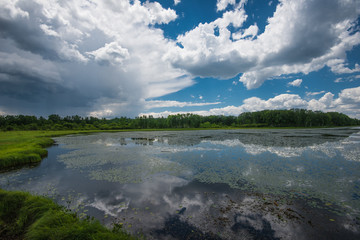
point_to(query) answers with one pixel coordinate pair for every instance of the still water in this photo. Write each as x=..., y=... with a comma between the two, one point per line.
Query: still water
x=220, y=184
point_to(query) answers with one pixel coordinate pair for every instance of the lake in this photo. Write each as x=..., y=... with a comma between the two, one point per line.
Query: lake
x=208, y=184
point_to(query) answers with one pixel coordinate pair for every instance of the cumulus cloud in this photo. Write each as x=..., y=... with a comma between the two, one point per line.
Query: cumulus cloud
x=298, y=39
x=295, y=83
x=222, y=4
x=250, y=33
x=348, y=102
x=111, y=53
x=350, y=96
x=48, y=35
x=201, y=54
x=108, y=57
x=157, y=14
x=338, y=66
x=65, y=57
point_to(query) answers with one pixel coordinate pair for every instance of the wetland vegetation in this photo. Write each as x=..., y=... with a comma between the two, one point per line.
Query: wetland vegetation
x=23, y=216
x=222, y=184
x=174, y=185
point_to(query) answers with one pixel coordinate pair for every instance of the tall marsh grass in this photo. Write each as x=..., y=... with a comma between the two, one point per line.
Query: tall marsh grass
x=24, y=216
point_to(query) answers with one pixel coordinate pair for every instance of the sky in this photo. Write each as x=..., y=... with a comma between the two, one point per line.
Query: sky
x=114, y=58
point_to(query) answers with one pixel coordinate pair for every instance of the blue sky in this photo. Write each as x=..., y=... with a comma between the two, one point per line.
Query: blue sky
x=128, y=58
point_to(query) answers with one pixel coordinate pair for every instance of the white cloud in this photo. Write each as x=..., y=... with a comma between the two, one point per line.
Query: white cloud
x=348, y=102
x=298, y=39
x=295, y=83
x=109, y=110
x=338, y=80
x=105, y=113
x=162, y=104
x=222, y=4
x=338, y=66
x=202, y=55
x=3, y=113
x=350, y=96
x=250, y=33
x=176, y=2
x=200, y=97
x=111, y=53
x=157, y=14
x=314, y=93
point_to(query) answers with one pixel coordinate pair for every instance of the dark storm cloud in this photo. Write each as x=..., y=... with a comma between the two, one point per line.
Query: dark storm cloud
x=28, y=66
x=33, y=31
x=52, y=51
x=25, y=31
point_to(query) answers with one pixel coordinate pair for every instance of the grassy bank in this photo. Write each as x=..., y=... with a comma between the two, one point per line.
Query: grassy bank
x=19, y=148
x=23, y=216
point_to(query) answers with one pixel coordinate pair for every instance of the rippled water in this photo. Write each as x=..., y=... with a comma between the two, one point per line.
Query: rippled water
x=221, y=184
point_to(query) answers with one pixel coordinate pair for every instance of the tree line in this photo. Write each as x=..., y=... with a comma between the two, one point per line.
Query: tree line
x=266, y=118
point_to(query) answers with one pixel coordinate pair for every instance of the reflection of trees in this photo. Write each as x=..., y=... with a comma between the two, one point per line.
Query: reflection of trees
x=122, y=141
x=143, y=141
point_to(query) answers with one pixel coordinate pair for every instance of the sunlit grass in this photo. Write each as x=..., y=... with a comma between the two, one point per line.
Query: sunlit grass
x=19, y=148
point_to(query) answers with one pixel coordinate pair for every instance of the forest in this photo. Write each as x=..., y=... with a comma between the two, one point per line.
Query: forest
x=266, y=118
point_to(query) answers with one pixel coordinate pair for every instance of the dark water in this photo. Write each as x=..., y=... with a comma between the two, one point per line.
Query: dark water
x=221, y=184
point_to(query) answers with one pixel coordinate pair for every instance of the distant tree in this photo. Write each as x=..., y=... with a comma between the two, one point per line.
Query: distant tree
x=54, y=118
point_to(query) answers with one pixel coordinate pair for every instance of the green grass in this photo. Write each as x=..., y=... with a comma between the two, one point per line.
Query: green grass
x=19, y=148
x=24, y=216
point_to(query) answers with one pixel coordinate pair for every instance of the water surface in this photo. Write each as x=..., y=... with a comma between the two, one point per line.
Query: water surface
x=221, y=184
